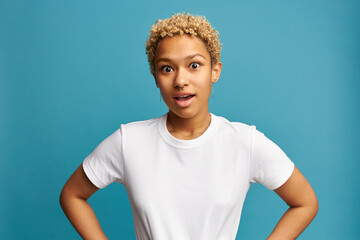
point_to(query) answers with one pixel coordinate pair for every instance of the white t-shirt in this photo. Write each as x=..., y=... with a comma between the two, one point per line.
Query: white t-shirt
x=187, y=189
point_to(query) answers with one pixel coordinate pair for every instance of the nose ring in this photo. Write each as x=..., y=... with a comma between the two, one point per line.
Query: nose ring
x=179, y=88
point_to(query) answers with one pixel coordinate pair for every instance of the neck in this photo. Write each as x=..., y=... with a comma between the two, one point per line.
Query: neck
x=188, y=128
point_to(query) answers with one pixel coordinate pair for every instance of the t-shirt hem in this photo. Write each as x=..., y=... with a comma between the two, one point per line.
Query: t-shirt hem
x=283, y=177
x=91, y=175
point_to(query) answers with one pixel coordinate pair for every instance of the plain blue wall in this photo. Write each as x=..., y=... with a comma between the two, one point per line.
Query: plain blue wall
x=72, y=71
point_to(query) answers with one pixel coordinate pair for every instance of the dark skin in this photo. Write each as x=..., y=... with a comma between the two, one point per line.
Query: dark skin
x=296, y=192
x=73, y=200
x=303, y=207
x=188, y=123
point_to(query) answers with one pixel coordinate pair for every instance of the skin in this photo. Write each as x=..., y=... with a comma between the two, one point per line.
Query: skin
x=174, y=67
x=183, y=65
x=73, y=201
x=303, y=207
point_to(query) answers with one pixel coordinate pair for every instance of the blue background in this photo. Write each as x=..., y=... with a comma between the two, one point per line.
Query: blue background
x=72, y=71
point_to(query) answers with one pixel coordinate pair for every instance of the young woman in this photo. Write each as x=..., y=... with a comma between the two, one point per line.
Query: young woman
x=187, y=172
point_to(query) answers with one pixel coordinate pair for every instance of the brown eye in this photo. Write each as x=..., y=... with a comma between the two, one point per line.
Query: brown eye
x=166, y=69
x=194, y=65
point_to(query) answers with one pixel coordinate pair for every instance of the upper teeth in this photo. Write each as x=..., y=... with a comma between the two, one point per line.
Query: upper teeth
x=184, y=96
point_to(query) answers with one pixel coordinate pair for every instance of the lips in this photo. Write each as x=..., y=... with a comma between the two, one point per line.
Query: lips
x=183, y=99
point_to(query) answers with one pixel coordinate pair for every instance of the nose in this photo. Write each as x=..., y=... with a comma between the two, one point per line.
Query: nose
x=180, y=80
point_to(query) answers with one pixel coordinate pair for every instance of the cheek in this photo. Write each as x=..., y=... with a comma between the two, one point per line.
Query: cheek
x=205, y=82
x=165, y=89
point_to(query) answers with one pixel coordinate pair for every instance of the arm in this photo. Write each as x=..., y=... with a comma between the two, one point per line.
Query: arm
x=73, y=200
x=303, y=207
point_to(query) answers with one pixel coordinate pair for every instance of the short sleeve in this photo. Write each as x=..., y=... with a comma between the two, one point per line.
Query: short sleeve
x=269, y=165
x=105, y=164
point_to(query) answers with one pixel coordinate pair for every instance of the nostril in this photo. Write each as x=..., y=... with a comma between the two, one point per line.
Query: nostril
x=179, y=87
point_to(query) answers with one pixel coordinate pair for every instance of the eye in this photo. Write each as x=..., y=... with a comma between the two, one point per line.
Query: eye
x=166, y=69
x=194, y=65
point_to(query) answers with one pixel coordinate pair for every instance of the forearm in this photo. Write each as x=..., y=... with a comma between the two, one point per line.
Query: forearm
x=293, y=223
x=82, y=217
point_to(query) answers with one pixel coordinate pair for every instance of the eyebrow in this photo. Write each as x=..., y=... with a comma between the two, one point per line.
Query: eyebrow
x=186, y=58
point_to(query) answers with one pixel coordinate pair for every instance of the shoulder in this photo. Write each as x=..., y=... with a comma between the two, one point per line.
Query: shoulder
x=141, y=126
x=238, y=127
x=142, y=123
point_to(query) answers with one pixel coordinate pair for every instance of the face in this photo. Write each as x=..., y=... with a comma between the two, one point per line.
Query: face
x=184, y=75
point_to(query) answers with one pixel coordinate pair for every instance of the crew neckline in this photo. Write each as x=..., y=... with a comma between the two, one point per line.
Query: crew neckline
x=186, y=144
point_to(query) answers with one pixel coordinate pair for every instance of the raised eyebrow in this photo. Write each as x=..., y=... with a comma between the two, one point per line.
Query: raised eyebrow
x=194, y=55
x=186, y=58
x=163, y=60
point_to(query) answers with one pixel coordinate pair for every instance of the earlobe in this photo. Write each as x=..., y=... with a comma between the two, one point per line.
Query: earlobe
x=216, y=70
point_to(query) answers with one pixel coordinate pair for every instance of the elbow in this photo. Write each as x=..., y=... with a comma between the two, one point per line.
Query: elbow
x=310, y=207
x=315, y=204
x=313, y=210
x=312, y=204
x=62, y=198
x=313, y=207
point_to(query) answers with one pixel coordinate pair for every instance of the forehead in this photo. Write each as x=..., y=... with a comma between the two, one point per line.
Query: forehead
x=181, y=46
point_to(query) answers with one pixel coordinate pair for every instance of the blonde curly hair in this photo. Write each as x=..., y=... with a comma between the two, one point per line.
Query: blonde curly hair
x=180, y=24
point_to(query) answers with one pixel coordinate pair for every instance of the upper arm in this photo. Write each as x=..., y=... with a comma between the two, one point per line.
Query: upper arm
x=78, y=185
x=297, y=192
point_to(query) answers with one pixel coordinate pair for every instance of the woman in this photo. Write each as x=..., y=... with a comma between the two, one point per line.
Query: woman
x=187, y=172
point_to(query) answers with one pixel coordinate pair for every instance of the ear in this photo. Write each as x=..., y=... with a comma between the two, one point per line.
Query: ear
x=215, y=72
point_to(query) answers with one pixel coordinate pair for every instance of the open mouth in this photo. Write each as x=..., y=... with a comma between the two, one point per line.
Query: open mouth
x=184, y=97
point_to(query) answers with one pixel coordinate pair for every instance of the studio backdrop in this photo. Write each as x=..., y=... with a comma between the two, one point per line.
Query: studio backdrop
x=72, y=71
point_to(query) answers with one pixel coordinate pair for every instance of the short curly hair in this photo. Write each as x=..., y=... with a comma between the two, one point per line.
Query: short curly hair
x=179, y=24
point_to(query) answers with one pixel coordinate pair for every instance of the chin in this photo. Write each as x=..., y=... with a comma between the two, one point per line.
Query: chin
x=185, y=113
